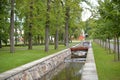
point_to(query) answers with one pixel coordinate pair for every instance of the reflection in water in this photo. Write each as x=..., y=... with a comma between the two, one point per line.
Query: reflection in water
x=72, y=71
x=65, y=71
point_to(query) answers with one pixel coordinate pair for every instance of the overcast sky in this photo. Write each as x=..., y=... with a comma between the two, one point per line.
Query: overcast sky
x=86, y=13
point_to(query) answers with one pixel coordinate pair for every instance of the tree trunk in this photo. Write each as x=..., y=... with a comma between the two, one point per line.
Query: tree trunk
x=30, y=38
x=114, y=45
x=109, y=46
x=30, y=27
x=38, y=38
x=12, y=50
x=118, y=56
x=47, y=27
x=67, y=16
x=46, y=38
x=56, y=39
x=114, y=51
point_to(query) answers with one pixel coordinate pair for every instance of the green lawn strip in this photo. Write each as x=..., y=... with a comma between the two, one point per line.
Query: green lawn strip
x=22, y=55
x=107, y=68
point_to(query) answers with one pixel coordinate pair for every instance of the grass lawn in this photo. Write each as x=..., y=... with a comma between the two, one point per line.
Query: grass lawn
x=107, y=68
x=22, y=55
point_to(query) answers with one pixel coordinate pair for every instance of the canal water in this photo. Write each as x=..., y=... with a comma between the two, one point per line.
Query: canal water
x=65, y=71
x=71, y=71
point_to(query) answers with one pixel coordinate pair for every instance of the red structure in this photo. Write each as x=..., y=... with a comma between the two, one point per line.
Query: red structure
x=81, y=38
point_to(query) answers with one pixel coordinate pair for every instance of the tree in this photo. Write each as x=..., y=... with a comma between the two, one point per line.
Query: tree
x=108, y=23
x=67, y=17
x=30, y=26
x=4, y=24
x=47, y=26
x=34, y=20
x=38, y=18
x=72, y=16
x=12, y=50
x=57, y=20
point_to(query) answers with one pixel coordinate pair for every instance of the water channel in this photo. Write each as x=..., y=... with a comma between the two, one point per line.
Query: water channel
x=65, y=71
x=71, y=71
x=72, y=66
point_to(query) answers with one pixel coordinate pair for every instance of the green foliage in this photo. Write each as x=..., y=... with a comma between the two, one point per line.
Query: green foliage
x=56, y=16
x=107, y=24
x=38, y=19
x=4, y=23
x=75, y=23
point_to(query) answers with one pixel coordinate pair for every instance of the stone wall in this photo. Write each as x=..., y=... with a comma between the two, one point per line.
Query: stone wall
x=38, y=69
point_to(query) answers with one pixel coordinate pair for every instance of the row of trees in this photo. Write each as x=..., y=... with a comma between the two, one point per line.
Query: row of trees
x=106, y=25
x=37, y=20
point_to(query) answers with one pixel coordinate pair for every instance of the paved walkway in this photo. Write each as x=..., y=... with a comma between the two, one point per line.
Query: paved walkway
x=89, y=69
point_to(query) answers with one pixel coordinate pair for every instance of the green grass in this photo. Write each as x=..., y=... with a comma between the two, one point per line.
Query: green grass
x=107, y=68
x=22, y=55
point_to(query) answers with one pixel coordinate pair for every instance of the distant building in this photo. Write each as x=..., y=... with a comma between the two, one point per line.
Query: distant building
x=82, y=35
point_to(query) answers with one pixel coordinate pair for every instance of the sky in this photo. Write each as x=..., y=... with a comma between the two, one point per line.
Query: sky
x=86, y=13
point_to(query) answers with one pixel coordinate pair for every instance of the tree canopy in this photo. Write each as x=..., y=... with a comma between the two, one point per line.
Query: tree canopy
x=31, y=19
